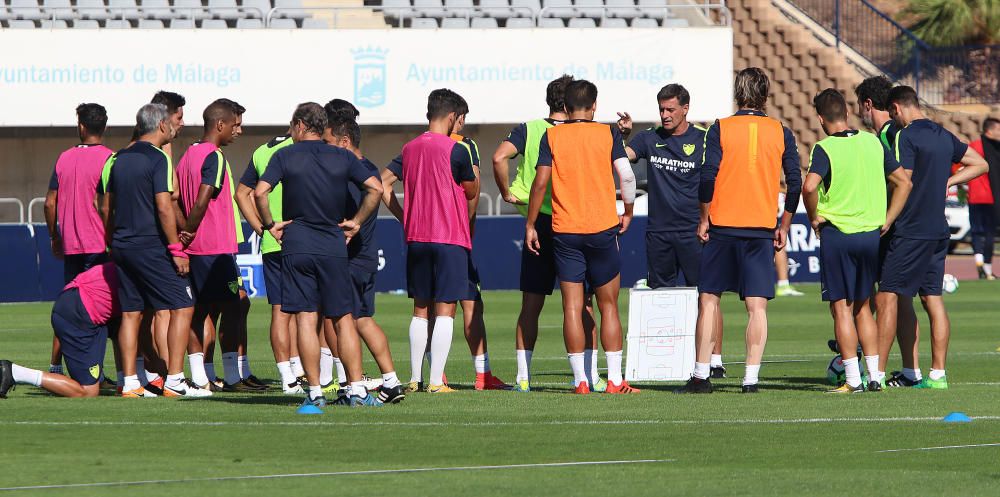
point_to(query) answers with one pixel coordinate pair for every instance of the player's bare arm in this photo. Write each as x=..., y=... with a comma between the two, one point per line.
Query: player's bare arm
x=501, y=173
x=901, y=187
x=973, y=166
x=389, y=196
x=244, y=200
x=51, y=213
x=537, y=196
x=810, y=195
x=373, y=193
x=165, y=213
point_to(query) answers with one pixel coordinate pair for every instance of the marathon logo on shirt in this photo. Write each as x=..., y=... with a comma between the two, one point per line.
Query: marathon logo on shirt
x=673, y=165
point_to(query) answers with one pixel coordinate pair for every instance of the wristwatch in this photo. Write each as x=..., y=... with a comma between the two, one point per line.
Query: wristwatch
x=267, y=227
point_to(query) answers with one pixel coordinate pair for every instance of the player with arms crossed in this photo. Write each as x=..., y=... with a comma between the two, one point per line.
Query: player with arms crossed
x=580, y=157
x=845, y=197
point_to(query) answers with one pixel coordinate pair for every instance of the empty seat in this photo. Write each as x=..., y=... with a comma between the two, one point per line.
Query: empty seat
x=484, y=23
x=27, y=10
x=520, y=23
x=22, y=24
x=622, y=8
x=428, y=8
x=58, y=9
x=461, y=8
x=291, y=9
x=582, y=22
x=613, y=22
x=283, y=24
x=123, y=9
x=557, y=8
x=676, y=23
x=397, y=9
x=85, y=24
x=525, y=8
x=182, y=24
x=315, y=24
x=454, y=23
x=150, y=24
x=214, y=24
x=4, y=13
x=550, y=22
x=117, y=24
x=424, y=23
x=245, y=23
x=252, y=8
x=156, y=9
x=645, y=23
x=590, y=8
x=190, y=9
x=657, y=9
x=499, y=9
x=92, y=9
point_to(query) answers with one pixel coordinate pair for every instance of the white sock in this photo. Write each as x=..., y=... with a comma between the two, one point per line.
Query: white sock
x=576, y=363
x=716, y=361
x=231, y=368
x=988, y=267
x=296, y=364
x=358, y=388
x=852, y=371
x=873, y=372
x=782, y=283
x=325, y=366
x=614, y=366
x=285, y=370
x=130, y=383
x=481, y=363
x=151, y=376
x=174, y=380
x=315, y=391
x=244, y=365
x=701, y=370
x=389, y=380
x=752, y=371
x=341, y=374
x=121, y=378
x=55, y=368
x=912, y=374
x=524, y=364
x=590, y=366
x=197, y=363
x=936, y=374
x=418, y=343
x=26, y=376
x=444, y=329
x=210, y=372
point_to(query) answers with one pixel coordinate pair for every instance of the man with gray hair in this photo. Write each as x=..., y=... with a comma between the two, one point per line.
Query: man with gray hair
x=152, y=265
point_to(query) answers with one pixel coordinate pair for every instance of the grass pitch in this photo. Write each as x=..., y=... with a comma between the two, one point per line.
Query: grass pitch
x=791, y=439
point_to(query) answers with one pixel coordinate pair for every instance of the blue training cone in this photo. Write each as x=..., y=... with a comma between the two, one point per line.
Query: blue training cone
x=309, y=409
x=957, y=417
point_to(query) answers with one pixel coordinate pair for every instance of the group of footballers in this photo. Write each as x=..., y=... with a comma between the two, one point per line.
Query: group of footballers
x=149, y=249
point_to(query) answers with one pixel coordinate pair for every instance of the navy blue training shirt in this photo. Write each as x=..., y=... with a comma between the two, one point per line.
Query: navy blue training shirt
x=929, y=151
x=362, y=251
x=314, y=176
x=673, y=168
x=140, y=172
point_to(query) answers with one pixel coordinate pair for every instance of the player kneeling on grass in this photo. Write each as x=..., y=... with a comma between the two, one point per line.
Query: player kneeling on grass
x=845, y=197
x=80, y=317
x=579, y=157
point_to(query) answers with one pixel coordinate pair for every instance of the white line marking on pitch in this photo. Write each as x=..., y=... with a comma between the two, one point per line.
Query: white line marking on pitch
x=586, y=422
x=340, y=473
x=942, y=447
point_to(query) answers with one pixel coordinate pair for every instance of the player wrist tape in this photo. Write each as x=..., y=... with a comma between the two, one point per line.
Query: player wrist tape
x=177, y=250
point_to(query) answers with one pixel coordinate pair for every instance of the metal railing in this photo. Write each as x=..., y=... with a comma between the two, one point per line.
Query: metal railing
x=20, y=207
x=941, y=75
x=31, y=209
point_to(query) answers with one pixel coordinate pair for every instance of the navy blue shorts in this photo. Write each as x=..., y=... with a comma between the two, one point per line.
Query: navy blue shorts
x=83, y=342
x=149, y=280
x=316, y=283
x=848, y=264
x=741, y=265
x=75, y=264
x=672, y=258
x=272, y=277
x=363, y=283
x=215, y=278
x=593, y=258
x=913, y=267
x=437, y=271
x=474, y=292
x=538, y=272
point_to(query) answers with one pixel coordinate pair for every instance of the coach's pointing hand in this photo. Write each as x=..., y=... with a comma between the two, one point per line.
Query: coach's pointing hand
x=624, y=123
x=350, y=227
x=531, y=239
x=278, y=230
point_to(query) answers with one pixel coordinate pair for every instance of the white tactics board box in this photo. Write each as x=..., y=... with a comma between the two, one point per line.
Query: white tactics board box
x=660, y=342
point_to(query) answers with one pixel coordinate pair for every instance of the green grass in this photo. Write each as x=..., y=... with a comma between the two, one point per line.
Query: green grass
x=791, y=439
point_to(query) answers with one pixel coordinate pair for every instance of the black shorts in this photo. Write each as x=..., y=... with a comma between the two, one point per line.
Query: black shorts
x=672, y=258
x=272, y=277
x=316, y=283
x=848, y=264
x=913, y=267
x=83, y=342
x=538, y=272
x=437, y=271
x=363, y=283
x=592, y=258
x=149, y=280
x=215, y=278
x=736, y=264
x=74, y=264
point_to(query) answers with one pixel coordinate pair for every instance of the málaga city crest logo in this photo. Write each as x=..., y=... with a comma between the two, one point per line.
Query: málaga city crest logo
x=369, y=76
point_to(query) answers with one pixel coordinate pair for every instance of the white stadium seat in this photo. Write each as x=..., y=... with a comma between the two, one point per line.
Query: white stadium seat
x=657, y=9
x=612, y=22
x=291, y=9
x=245, y=23
x=60, y=9
x=117, y=24
x=283, y=24
x=590, y=8
x=582, y=22
x=156, y=9
x=623, y=8
x=520, y=23
x=645, y=23
x=214, y=24
x=190, y=9
x=461, y=8
x=429, y=8
x=22, y=24
x=150, y=24
x=525, y=8
x=558, y=8
x=484, y=23
x=455, y=23
x=550, y=22
x=182, y=24
x=123, y=9
x=92, y=9
x=26, y=9
x=253, y=8
x=85, y=24
x=315, y=24
x=424, y=23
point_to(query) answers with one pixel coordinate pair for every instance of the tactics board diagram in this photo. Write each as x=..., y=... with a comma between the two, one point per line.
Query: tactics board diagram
x=660, y=341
